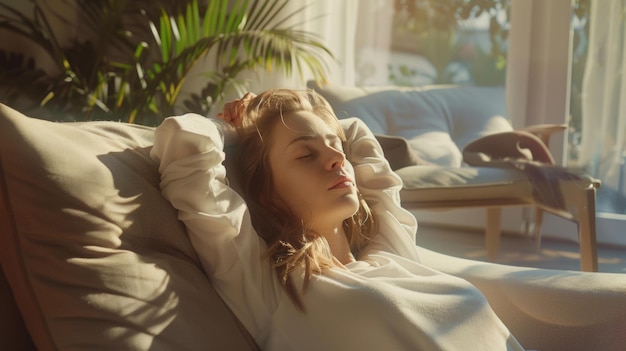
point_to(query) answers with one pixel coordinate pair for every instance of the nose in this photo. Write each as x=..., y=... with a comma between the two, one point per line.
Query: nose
x=336, y=159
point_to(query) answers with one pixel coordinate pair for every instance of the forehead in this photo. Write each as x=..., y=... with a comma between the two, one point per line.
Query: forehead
x=301, y=123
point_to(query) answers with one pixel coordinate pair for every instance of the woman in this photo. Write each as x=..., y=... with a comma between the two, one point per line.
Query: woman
x=320, y=256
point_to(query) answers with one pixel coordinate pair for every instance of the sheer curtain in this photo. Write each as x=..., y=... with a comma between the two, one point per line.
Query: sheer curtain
x=334, y=22
x=373, y=42
x=603, y=144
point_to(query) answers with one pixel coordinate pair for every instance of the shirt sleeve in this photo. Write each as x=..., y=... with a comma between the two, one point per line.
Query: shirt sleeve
x=380, y=187
x=189, y=152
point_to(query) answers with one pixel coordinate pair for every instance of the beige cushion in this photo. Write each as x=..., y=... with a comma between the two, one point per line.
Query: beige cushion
x=95, y=257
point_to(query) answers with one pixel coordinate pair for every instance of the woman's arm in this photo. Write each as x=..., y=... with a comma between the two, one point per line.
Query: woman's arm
x=380, y=187
x=189, y=150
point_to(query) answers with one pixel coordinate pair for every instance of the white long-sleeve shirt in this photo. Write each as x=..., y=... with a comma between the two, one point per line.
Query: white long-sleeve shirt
x=386, y=300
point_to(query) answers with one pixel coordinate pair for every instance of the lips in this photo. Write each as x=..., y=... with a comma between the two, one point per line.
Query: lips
x=342, y=182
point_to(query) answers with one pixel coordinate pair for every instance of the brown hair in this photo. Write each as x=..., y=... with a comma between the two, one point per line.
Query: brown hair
x=290, y=243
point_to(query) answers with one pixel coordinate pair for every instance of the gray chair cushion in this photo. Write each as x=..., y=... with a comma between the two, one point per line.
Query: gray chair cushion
x=432, y=183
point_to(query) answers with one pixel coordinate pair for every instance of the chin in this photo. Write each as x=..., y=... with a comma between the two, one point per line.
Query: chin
x=351, y=205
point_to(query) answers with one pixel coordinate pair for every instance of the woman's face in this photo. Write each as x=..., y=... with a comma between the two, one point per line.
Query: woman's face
x=310, y=171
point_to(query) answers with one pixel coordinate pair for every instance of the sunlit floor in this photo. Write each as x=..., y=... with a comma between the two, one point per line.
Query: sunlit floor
x=518, y=250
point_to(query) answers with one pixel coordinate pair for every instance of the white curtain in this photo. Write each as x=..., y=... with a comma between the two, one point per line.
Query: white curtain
x=373, y=42
x=603, y=144
x=334, y=22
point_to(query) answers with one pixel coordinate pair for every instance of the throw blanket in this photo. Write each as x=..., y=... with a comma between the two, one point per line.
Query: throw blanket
x=527, y=153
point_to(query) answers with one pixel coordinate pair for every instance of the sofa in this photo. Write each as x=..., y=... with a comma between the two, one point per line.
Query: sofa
x=94, y=258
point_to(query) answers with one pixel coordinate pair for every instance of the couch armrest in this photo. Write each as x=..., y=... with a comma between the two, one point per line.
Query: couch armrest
x=548, y=309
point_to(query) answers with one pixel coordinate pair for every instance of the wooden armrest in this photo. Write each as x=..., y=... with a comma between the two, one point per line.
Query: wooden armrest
x=544, y=131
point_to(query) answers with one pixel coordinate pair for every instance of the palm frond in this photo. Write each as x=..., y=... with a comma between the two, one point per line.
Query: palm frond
x=156, y=49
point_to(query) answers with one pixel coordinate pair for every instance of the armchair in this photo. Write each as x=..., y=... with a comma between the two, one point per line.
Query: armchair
x=438, y=123
x=93, y=257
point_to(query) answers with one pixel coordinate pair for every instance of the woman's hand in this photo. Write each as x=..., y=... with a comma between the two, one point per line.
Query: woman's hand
x=233, y=111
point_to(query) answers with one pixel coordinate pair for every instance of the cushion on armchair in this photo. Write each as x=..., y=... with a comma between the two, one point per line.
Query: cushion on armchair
x=94, y=256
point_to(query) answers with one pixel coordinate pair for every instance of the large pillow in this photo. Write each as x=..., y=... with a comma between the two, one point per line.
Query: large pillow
x=437, y=121
x=94, y=256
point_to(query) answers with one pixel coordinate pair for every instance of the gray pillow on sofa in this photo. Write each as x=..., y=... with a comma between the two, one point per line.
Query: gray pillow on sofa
x=94, y=256
x=398, y=151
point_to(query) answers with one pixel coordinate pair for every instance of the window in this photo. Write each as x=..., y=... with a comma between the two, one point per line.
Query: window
x=562, y=61
x=424, y=42
x=421, y=42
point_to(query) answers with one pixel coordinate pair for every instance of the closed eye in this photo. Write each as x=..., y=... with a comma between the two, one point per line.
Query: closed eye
x=305, y=156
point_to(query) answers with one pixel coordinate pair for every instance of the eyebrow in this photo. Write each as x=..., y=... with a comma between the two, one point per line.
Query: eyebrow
x=331, y=137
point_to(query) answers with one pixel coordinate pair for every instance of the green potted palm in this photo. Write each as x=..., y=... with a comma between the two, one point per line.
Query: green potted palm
x=137, y=56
